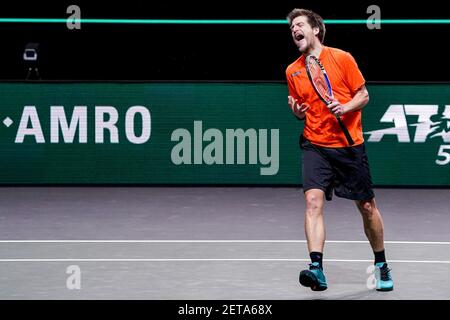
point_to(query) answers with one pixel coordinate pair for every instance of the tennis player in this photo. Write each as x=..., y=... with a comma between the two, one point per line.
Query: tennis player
x=328, y=163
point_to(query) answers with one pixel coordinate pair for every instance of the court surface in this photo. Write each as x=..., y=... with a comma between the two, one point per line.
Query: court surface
x=211, y=243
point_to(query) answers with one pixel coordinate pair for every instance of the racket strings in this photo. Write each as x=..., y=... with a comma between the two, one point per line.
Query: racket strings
x=319, y=80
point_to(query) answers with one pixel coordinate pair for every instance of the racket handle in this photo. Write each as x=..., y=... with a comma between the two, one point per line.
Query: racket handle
x=345, y=130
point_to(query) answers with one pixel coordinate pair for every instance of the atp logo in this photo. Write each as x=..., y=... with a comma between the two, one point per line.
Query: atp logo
x=429, y=124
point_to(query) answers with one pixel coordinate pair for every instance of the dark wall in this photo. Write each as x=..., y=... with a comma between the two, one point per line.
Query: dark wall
x=217, y=52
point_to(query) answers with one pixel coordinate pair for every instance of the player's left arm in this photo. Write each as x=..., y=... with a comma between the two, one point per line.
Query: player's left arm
x=359, y=100
x=355, y=82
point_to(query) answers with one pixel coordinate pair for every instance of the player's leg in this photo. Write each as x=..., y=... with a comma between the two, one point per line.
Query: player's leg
x=353, y=181
x=373, y=223
x=314, y=222
x=374, y=230
x=317, y=186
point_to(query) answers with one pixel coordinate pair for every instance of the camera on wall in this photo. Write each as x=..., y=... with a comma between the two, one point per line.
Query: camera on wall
x=31, y=59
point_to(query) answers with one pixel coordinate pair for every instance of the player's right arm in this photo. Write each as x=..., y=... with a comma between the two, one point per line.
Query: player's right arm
x=298, y=109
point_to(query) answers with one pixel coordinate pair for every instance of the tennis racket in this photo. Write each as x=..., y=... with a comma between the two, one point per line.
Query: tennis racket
x=321, y=84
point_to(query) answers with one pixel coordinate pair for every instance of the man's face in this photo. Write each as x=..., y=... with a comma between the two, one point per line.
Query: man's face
x=302, y=33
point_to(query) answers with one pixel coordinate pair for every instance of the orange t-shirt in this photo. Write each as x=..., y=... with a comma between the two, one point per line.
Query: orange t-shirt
x=321, y=126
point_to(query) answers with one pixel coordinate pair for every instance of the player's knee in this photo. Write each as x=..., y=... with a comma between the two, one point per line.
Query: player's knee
x=367, y=208
x=314, y=203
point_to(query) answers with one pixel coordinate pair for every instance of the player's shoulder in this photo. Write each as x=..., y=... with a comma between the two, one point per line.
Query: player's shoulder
x=296, y=65
x=339, y=54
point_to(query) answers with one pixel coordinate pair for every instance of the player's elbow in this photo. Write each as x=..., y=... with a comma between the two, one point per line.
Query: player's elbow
x=364, y=97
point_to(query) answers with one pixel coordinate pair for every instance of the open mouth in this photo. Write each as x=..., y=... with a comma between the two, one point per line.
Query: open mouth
x=299, y=37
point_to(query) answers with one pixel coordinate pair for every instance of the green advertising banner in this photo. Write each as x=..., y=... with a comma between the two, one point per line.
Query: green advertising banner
x=204, y=133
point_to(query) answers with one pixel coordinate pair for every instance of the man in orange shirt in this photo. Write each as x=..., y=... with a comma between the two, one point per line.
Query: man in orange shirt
x=328, y=163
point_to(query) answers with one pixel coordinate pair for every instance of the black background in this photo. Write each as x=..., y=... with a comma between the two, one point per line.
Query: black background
x=217, y=52
x=168, y=310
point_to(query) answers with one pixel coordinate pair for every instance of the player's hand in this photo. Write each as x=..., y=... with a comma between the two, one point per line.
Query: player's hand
x=298, y=109
x=337, y=108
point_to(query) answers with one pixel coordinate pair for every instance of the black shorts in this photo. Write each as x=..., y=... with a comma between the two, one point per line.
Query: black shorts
x=344, y=170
